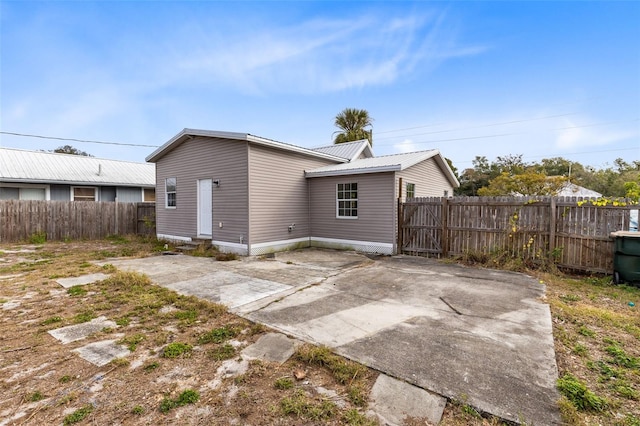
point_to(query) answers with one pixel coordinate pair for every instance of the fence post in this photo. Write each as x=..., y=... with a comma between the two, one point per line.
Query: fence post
x=116, y=221
x=400, y=226
x=552, y=228
x=444, y=243
x=400, y=217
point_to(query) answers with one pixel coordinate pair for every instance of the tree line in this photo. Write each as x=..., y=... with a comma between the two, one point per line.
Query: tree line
x=509, y=175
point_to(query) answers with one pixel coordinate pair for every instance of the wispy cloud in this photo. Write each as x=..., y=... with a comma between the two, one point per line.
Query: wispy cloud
x=407, y=145
x=320, y=56
x=572, y=135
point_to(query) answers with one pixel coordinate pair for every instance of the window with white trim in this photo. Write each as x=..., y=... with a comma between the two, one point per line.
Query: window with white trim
x=411, y=190
x=170, y=185
x=347, y=200
x=84, y=193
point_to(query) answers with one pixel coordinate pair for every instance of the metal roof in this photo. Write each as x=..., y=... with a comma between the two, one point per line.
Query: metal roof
x=385, y=163
x=18, y=165
x=573, y=190
x=187, y=134
x=348, y=150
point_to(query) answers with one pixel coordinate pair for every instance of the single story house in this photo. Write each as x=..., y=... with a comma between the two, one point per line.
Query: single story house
x=252, y=195
x=39, y=175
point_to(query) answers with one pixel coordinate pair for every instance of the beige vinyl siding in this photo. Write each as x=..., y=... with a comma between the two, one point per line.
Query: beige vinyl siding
x=429, y=179
x=205, y=158
x=279, y=193
x=376, y=208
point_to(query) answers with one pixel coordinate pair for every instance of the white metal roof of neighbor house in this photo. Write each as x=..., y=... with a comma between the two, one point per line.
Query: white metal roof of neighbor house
x=187, y=134
x=17, y=165
x=348, y=150
x=385, y=163
x=573, y=190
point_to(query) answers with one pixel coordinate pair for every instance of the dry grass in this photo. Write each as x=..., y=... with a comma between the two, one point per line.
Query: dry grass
x=176, y=344
x=596, y=334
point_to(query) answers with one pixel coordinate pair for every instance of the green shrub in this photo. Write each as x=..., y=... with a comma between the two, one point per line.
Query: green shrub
x=52, y=320
x=176, y=349
x=151, y=366
x=223, y=352
x=36, y=396
x=38, y=238
x=78, y=415
x=85, y=316
x=581, y=397
x=76, y=290
x=132, y=341
x=188, y=396
x=217, y=335
x=283, y=383
x=621, y=358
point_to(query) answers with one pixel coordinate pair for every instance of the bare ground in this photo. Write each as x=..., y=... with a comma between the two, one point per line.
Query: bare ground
x=596, y=331
x=43, y=382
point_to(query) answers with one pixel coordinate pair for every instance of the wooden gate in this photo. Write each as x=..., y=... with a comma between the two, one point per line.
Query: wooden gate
x=420, y=226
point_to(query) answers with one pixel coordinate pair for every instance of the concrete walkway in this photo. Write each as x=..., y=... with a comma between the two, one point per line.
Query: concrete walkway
x=480, y=336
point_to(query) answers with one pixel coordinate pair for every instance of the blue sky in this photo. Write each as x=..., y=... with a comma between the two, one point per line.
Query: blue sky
x=541, y=79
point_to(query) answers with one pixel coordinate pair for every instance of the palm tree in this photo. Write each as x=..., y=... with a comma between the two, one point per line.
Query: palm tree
x=352, y=123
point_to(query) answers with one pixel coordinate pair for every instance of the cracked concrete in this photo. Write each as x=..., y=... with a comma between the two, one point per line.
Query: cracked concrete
x=469, y=334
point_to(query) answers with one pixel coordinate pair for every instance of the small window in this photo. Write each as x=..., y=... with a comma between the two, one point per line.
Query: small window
x=446, y=193
x=170, y=191
x=347, y=200
x=84, y=193
x=411, y=190
x=149, y=195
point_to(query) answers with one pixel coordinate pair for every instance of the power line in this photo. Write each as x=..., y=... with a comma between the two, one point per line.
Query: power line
x=76, y=140
x=469, y=127
x=507, y=134
x=566, y=154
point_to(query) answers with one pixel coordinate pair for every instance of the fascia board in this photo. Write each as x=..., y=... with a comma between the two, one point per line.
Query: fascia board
x=185, y=134
x=381, y=169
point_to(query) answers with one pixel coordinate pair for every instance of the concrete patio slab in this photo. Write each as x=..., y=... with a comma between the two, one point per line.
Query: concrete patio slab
x=81, y=280
x=481, y=336
x=102, y=352
x=274, y=347
x=393, y=401
x=76, y=332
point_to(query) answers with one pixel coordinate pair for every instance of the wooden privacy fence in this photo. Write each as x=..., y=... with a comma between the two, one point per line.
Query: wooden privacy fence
x=571, y=232
x=62, y=220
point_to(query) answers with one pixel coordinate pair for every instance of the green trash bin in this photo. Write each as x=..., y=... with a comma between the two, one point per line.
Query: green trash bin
x=626, y=257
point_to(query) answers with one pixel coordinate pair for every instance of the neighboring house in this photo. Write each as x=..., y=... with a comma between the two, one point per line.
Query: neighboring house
x=573, y=190
x=252, y=195
x=37, y=175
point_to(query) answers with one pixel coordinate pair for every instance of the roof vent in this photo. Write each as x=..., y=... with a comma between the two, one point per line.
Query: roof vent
x=99, y=169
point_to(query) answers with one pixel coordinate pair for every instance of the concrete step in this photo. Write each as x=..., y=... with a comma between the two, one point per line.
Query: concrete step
x=194, y=244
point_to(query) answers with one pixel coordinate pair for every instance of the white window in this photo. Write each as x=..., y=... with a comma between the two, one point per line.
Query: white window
x=347, y=200
x=84, y=193
x=170, y=193
x=24, y=191
x=446, y=193
x=411, y=190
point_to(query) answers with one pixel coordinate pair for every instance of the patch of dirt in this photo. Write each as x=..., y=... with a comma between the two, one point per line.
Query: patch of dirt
x=42, y=381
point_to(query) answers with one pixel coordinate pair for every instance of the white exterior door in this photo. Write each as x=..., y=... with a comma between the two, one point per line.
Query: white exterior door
x=205, y=208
